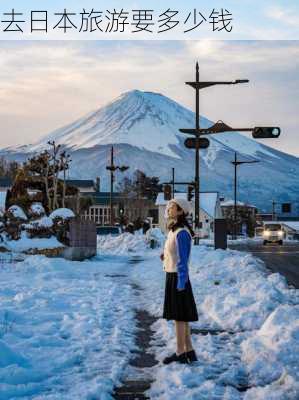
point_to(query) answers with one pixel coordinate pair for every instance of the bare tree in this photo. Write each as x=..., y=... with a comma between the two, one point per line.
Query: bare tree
x=65, y=160
x=55, y=164
x=40, y=165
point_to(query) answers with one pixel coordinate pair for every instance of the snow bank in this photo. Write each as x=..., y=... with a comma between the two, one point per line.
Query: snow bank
x=234, y=289
x=249, y=307
x=9, y=356
x=156, y=234
x=271, y=353
x=125, y=243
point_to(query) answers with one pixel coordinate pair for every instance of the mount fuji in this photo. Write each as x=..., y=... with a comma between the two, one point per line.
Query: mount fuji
x=144, y=129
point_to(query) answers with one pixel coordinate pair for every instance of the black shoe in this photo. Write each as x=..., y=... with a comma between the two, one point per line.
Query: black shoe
x=182, y=359
x=191, y=356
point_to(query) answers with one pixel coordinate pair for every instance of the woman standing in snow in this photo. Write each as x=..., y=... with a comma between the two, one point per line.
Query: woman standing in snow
x=179, y=304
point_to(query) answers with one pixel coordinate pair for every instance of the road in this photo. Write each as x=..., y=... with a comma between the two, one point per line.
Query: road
x=283, y=259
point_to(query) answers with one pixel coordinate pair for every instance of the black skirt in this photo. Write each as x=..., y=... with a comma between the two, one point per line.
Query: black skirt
x=178, y=305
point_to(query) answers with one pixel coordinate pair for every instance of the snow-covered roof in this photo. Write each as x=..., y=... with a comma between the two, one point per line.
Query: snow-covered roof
x=17, y=212
x=229, y=203
x=207, y=200
x=291, y=224
x=82, y=183
x=2, y=200
x=63, y=213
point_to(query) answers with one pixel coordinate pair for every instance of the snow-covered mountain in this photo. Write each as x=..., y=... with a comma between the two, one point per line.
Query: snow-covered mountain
x=144, y=128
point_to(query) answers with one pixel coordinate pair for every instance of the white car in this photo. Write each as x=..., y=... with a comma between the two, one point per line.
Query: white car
x=273, y=233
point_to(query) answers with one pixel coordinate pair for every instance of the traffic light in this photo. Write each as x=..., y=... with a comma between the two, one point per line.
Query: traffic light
x=286, y=207
x=190, y=192
x=265, y=132
x=167, y=192
x=121, y=210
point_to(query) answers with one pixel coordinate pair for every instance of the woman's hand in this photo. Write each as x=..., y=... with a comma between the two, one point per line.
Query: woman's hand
x=162, y=256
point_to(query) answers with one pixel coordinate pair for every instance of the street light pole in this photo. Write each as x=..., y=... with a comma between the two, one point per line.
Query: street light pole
x=235, y=198
x=112, y=168
x=236, y=163
x=111, y=186
x=273, y=210
x=197, y=203
x=199, y=142
x=173, y=183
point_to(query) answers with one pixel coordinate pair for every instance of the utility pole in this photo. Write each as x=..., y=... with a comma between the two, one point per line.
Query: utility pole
x=219, y=127
x=197, y=204
x=112, y=168
x=173, y=183
x=273, y=210
x=236, y=163
x=202, y=142
x=111, y=185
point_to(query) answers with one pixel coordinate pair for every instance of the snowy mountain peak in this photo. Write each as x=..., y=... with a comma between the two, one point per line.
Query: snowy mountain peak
x=145, y=119
x=144, y=127
x=149, y=121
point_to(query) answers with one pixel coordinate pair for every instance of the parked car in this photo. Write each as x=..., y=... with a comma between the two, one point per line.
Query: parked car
x=109, y=230
x=273, y=233
x=259, y=231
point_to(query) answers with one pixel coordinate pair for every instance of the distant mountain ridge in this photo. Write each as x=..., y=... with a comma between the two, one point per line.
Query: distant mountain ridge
x=144, y=128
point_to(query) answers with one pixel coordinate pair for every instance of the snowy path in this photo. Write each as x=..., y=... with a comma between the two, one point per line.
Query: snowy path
x=68, y=329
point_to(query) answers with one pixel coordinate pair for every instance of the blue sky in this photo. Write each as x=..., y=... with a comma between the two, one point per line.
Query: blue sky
x=46, y=84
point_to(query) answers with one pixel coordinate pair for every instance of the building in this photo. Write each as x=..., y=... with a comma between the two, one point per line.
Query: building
x=209, y=210
x=85, y=185
x=124, y=209
x=291, y=229
x=246, y=217
x=99, y=211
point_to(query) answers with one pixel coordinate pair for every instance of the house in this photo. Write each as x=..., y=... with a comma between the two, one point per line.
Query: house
x=209, y=210
x=124, y=208
x=246, y=216
x=99, y=211
x=291, y=229
x=85, y=185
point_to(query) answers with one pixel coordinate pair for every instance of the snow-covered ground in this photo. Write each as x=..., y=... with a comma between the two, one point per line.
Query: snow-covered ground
x=67, y=328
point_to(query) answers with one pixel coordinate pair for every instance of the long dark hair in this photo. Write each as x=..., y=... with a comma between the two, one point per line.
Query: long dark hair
x=182, y=222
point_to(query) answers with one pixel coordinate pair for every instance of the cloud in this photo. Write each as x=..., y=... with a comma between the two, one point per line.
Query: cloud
x=286, y=16
x=260, y=55
x=44, y=85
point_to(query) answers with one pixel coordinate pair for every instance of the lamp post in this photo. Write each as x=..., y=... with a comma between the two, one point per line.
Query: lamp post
x=201, y=143
x=112, y=168
x=236, y=163
x=219, y=127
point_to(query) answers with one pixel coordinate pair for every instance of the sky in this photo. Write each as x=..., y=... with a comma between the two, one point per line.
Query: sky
x=252, y=19
x=47, y=84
